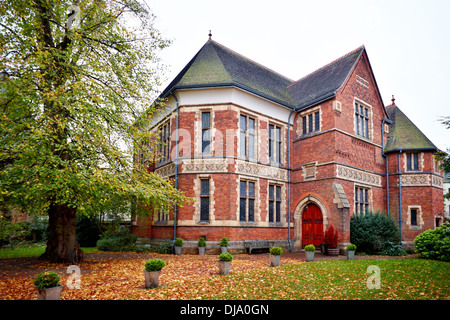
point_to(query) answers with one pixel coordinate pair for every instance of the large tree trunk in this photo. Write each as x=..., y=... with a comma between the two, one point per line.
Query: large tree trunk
x=62, y=244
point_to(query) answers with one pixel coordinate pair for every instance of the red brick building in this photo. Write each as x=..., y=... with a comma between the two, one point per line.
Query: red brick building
x=267, y=157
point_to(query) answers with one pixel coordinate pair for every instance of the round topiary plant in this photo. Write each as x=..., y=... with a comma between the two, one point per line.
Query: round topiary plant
x=310, y=247
x=224, y=242
x=154, y=265
x=351, y=247
x=47, y=279
x=201, y=242
x=178, y=242
x=226, y=256
x=276, y=251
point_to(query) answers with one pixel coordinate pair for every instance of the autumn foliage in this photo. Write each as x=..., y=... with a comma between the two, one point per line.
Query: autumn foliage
x=331, y=237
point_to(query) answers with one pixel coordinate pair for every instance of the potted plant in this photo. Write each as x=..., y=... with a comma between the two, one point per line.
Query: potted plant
x=331, y=241
x=47, y=286
x=275, y=254
x=178, y=246
x=351, y=248
x=201, y=246
x=225, y=262
x=152, y=271
x=309, y=252
x=224, y=244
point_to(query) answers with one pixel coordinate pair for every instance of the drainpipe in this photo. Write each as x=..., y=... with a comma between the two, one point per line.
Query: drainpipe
x=400, y=197
x=176, y=171
x=289, y=180
x=387, y=162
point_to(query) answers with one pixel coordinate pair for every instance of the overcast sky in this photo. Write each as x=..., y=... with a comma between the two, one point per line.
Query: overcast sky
x=408, y=43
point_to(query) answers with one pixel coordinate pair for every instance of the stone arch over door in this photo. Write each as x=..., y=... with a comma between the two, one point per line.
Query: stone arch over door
x=298, y=213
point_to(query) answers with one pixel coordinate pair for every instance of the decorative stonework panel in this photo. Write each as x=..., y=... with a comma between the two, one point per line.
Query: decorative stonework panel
x=356, y=175
x=437, y=181
x=205, y=165
x=415, y=179
x=261, y=171
x=167, y=170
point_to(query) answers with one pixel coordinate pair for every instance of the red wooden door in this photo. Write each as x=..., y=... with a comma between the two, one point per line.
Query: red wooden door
x=312, y=226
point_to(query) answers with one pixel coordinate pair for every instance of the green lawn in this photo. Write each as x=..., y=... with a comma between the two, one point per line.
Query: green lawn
x=408, y=279
x=35, y=251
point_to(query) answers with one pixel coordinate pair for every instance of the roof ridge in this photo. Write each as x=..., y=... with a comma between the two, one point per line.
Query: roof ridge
x=328, y=64
x=251, y=60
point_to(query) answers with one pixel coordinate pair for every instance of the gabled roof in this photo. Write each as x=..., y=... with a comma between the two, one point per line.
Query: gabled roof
x=403, y=133
x=323, y=83
x=217, y=66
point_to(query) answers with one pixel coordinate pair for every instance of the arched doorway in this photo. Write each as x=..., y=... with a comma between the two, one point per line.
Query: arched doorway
x=312, y=225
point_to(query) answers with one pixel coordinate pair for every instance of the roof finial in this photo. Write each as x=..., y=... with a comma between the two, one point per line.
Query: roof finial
x=210, y=34
x=393, y=100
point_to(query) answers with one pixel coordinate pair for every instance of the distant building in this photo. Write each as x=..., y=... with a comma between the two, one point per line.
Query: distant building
x=269, y=158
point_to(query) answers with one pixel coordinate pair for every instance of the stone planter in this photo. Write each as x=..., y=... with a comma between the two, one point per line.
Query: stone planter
x=333, y=251
x=350, y=254
x=223, y=249
x=275, y=260
x=201, y=251
x=178, y=250
x=224, y=267
x=151, y=279
x=53, y=293
x=309, y=256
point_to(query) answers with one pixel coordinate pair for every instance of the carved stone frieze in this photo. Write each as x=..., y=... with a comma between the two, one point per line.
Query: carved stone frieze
x=437, y=181
x=356, y=175
x=167, y=170
x=204, y=165
x=262, y=171
x=415, y=180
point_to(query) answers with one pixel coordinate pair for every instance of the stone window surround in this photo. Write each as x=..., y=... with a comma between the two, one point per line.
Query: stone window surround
x=405, y=162
x=197, y=186
x=369, y=194
x=420, y=221
x=283, y=209
x=370, y=114
x=306, y=113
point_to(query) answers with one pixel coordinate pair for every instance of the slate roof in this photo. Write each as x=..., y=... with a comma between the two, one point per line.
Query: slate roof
x=403, y=133
x=217, y=66
x=323, y=83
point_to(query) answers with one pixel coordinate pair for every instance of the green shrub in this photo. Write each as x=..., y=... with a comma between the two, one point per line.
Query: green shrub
x=391, y=249
x=224, y=242
x=47, y=279
x=310, y=247
x=351, y=247
x=178, y=242
x=201, y=242
x=226, y=256
x=88, y=231
x=276, y=251
x=118, y=243
x=373, y=231
x=154, y=265
x=434, y=244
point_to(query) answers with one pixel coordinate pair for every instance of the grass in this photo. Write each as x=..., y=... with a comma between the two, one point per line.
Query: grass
x=408, y=279
x=32, y=251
